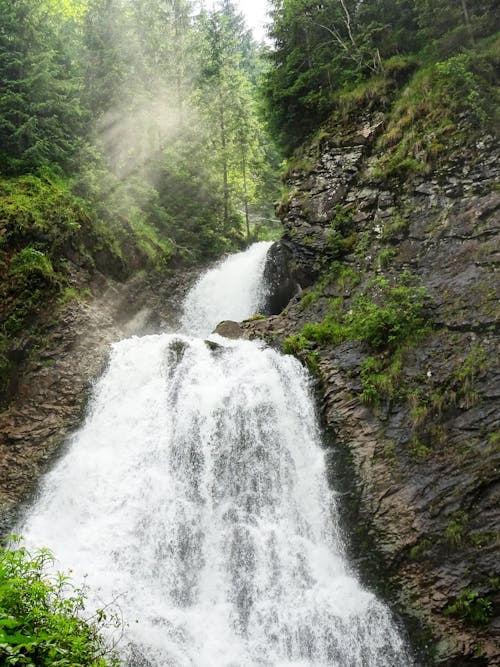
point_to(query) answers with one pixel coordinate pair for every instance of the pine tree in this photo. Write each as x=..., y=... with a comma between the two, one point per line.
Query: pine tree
x=41, y=119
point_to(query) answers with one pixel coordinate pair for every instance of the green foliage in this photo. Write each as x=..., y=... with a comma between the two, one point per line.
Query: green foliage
x=330, y=59
x=256, y=317
x=312, y=361
x=455, y=531
x=295, y=344
x=392, y=228
x=30, y=265
x=310, y=298
x=383, y=316
x=417, y=551
x=458, y=82
x=471, y=608
x=386, y=315
x=41, y=118
x=379, y=381
x=328, y=332
x=385, y=257
x=472, y=367
x=41, y=620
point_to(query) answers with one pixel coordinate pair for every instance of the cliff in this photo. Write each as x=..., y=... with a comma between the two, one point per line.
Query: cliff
x=395, y=275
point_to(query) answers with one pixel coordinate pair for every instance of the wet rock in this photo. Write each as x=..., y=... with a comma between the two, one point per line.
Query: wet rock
x=229, y=329
x=424, y=481
x=55, y=380
x=280, y=284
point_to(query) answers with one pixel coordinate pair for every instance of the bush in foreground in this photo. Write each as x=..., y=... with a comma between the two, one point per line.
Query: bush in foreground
x=41, y=620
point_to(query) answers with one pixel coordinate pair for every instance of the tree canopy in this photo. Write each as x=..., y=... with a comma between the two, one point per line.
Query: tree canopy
x=321, y=49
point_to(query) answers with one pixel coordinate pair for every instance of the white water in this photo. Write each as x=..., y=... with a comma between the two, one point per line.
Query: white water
x=233, y=290
x=196, y=491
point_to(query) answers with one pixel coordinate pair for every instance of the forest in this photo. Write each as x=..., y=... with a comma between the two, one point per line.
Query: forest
x=154, y=137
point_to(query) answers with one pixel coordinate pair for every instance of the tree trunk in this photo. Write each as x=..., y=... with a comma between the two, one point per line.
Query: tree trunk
x=245, y=189
x=225, y=185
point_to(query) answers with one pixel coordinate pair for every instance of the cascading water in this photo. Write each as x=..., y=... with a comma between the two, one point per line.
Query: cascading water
x=231, y=291
x=196, y=492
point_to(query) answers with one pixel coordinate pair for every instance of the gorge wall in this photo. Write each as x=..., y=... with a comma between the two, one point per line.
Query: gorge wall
x=419, y=420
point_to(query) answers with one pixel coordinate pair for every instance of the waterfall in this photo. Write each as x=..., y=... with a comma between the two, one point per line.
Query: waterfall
x=233, y=290
x=195, y=493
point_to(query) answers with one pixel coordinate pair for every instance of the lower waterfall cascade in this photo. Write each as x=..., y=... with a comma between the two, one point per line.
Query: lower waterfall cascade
x=195, y=494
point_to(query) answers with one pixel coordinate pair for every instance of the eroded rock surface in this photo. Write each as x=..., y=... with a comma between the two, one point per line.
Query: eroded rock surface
x=59, y=369
x=426, y=454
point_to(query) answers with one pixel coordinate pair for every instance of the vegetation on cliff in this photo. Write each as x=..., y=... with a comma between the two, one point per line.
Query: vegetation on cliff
x=338, y=56
x=391, y=232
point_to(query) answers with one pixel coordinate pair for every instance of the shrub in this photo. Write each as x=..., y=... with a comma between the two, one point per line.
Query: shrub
x=396, y=315
x=471, y=607
x=330, y=331
x=40, y=616
x=295, y=344
x=30, y=265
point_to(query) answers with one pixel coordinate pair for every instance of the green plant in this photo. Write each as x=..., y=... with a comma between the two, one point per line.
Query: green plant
x=418, y=449
x=329, y=331
x=74, y=294
x=256, y=316
x=471, y=607
x=312, y=361
x=387, y=316
x=30, y=264
x=295, y=344
x=385, y=257
x=417, y=551
x=41, y=619
x=472, y=366
x=371, y=380
x=455, y=530
x=309, y=299
x=458, y=82
x=392, y=229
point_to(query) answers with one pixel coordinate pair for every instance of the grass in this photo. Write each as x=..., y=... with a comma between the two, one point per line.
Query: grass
x=428, y=112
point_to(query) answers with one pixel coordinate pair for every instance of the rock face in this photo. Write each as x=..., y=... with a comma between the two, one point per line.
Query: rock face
x=279, y=278
x=229, y=329
x=425, y=454
x=55, y=378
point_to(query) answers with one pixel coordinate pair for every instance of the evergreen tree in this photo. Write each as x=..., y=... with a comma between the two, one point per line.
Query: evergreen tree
x=41, y=119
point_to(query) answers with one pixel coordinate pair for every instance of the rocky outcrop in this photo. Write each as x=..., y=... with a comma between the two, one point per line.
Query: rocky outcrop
x=59, y=365
x=426, y=452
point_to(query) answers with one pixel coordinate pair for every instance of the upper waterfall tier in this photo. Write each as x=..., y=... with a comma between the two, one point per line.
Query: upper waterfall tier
x=233, y=290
